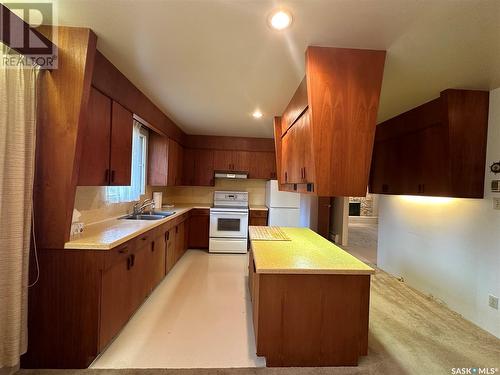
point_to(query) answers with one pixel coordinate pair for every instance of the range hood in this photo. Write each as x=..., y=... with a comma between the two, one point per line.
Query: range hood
x=231, y=175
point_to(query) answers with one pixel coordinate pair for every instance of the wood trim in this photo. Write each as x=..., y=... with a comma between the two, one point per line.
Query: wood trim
x=63, y=96
x=229, y=143
x=113, y=83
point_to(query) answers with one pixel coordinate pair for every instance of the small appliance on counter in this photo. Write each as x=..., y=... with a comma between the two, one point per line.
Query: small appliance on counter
x=229, y=222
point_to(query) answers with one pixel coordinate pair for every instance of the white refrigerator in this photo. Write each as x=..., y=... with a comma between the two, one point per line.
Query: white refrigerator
x=284, y=207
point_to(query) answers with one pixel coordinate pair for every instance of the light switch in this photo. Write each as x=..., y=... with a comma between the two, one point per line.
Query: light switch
x=496, y=203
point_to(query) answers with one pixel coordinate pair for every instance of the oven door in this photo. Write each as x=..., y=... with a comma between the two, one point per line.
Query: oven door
x=225, y=224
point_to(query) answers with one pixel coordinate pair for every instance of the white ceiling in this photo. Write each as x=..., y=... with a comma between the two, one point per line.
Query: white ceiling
x=209, y=63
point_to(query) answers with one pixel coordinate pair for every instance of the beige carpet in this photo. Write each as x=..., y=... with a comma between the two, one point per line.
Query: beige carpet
x=409, y=334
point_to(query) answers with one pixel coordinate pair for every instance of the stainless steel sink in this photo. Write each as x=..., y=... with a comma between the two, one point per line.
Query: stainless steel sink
x=144, y=217
x=164, y=213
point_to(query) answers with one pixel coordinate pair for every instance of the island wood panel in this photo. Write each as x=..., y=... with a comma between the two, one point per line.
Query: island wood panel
x=63, y=96
x=121, y=146
x=94, y=163
x=309, y=320
x=108, y=79
x=343, y=88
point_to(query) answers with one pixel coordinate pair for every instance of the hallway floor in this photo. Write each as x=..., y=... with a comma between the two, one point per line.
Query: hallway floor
x=362, y=241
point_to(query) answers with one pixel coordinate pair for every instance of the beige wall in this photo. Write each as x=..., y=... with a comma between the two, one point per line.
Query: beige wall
x=91, y=202
x=204, y=194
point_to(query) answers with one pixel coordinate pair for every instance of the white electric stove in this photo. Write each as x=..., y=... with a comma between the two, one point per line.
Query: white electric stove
x=229, y=222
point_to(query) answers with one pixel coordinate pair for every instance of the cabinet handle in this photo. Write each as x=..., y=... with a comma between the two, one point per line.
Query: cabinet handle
x=286, y=177
x=177, y=229
x=132, y=260
x=129, y=262
x=113, y=175
x=304, y=173
x=152, y=246
x=106, y=176
x=168, y=235
x=123, y=250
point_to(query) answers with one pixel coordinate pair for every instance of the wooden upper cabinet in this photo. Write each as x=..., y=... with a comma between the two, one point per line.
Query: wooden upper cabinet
x=262, y=165
x=328, y=128
x=230, y=160
x=107, y=143
x=198, y=167
x=157, y=159
x=165, y=166
x=121, y=145
x=175, y=154
x=436, y=149
x=94, y=163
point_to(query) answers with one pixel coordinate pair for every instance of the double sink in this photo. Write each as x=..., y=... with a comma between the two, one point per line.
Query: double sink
x=155, y=215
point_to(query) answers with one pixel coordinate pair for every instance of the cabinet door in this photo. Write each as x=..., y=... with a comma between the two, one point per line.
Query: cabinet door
x=140, y=283
x=291, y=162
x=199, y=230
x=171, y=250
x=223, y=160
x=94, y=163
x=173, y=162
x=157, y=260
x=157, y=160
x=188, y=164
x=241, y=161
x=121, y=146
x=262, y=165
x=304, y=146
x=203, y=167
x=180, y=241
x=180, y=162
x=116, y=308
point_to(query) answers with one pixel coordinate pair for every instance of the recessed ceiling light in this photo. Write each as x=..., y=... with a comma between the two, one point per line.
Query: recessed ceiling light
x=257, y=114
x=280, y=19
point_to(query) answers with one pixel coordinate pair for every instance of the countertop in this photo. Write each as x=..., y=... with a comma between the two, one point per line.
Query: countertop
x=258, y=208
x=110, y=233
x=307, y=252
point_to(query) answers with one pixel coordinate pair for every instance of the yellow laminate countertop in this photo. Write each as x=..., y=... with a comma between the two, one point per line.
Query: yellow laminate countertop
x=306, y=252
x=108, y=234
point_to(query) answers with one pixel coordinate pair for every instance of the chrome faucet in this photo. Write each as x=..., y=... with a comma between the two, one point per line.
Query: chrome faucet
x=140, y=207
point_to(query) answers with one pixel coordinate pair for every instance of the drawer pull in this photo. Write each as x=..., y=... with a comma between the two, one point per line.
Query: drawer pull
x=123, y=250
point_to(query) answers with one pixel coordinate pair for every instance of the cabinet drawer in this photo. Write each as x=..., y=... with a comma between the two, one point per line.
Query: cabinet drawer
x=118, y=253
x=200, y=212
x=258, y=213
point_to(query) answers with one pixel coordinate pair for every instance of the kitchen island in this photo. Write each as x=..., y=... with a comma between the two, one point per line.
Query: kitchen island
x=310, y=300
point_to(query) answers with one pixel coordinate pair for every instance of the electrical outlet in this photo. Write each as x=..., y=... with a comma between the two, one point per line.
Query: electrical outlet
x=496, y=203
x=493, y=302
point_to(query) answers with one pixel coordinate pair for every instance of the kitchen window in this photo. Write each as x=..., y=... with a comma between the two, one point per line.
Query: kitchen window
x=117, y=194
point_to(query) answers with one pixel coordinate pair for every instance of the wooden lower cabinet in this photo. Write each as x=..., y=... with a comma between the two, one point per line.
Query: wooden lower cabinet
x=258, y=217
x=85, y=297
x=199, y=229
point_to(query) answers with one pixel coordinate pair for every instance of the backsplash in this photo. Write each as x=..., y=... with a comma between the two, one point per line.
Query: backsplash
x=204, y=194
x=91, y=200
